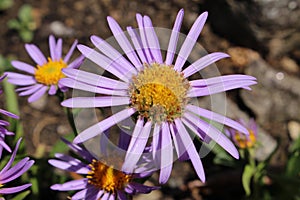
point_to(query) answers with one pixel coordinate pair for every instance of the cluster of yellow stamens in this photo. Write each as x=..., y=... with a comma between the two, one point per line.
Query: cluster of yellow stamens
x=159, y=92
x=243, y=141
x=50, y=73
x=106, y=177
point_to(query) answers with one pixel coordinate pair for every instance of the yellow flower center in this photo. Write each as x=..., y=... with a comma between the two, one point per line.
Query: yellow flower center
x=50, y=73
x=159, y=92
x=107, y=178
x=244, y=141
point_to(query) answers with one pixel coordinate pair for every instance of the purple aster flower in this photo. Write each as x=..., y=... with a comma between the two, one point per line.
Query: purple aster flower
x=3, y=125
x=102, y=179
x=10, y=173
x=157, y=91
x=45, y=75
x=241, y=140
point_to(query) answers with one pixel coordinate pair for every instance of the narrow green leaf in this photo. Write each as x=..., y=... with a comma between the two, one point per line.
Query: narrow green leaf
x=246, y=178
x=22, y=195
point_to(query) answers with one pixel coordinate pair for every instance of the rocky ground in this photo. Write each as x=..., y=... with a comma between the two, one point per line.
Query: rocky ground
x=261, y=36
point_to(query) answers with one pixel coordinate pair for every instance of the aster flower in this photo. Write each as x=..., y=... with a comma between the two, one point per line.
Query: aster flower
x=241, y=140
x=45, y=75
x=3, y=124
x=102, y=179
x=10, y=173
x=157, y=91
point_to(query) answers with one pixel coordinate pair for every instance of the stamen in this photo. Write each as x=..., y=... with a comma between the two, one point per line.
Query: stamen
x=106, y=177
x=159, y=92
x=50, y=73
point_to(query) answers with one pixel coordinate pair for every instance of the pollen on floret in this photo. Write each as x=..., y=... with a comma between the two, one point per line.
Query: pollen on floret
x=243, y=141
x=50, y=73
x=106, y=177
x=159, y=92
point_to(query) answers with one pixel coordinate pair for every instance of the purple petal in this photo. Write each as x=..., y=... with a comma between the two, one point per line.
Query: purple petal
x=71, y=185
x=5, y=146
x=166, y=154
x=220, y=87
x=216, y=117
x=23, y=66
x=121, y=195
x=123, y=41
x=14, y=169
x=71, y=83
x=140, y=188
x=52, y=90
x=95, y=102
x=127, y=68
x=75, y=166
x=94, y=79
x=58, y=49
x=20, y=172
x=136, y=40
x=79, y=195
x=20, y=79
x=52, y=47
x=220, y=79
x=190, y=41
x=101, y=60
x=30, y=90
x=174, y=38
x=38, y=94
x=12, y=190
x=214, y=133
x=152, y=40
x=203, y=62
x=12, y=158
x=103, y=125
x=9, y=114
x=75, y=64
x=156, y=140
x=140, y=22
x=137, y=145
x=190, y=148
x=36, y=54
x=70, y=52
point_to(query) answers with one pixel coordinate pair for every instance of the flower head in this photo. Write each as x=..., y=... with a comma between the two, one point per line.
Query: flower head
x=241, y=140
x=102, y=179
x=10, y=173
x=4, y=124
x=47, y=72
x=155, y=92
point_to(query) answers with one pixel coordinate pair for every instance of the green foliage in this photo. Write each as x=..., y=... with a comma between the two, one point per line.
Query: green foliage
x=6, y=4
x=293, y=164
x=247, y=177
x=22, y=195
x=24, y=24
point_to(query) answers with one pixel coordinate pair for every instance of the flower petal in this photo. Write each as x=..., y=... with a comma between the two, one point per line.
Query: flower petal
x=71, y=83
x=203, y=62
x=191, y=150
x=127, y=68
x=152, y=40
x=95, y=102
x=12, y=190
x=214, y=133
x=71, y=185
x=94, y=79
x=123, y=41
x=38, y=94
x=101, y=60
x=70, y=52
x=137, y=145
x=103, y=125
x=36, y=54
x=23, y=66
x=190, y=41
x=216, y=117
x=174, y=38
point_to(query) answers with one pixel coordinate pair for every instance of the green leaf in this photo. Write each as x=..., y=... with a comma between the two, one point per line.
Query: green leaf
x=25, y=13
x=26, y=35
x=14, y=24
x=6, y=4
x=246, y=178
x=60, y=146
x=22, y=195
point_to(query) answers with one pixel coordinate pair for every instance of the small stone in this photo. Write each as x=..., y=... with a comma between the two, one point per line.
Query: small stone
x=289, y=65
x=59, y=29
x=294, y=129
